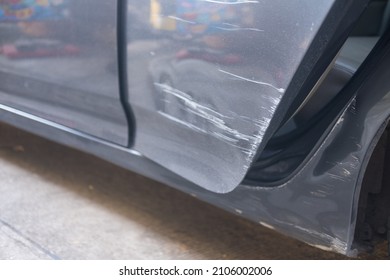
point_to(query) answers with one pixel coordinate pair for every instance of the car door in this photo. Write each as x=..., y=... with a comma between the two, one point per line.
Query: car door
x=210, y=82
x=59, y=62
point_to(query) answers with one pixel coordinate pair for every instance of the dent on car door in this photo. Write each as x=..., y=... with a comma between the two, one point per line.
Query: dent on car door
x=59, y=61
x=210, y=82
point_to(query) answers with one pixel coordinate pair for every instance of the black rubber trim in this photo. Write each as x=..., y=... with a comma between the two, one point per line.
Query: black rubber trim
x=122, y=68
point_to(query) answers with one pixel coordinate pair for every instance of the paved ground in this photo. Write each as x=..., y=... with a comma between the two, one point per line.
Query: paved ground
x=60, y=203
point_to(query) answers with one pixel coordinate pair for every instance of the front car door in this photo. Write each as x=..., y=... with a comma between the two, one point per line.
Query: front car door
x=59, y=62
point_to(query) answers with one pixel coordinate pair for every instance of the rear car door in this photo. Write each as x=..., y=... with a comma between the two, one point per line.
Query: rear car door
x=210, y=82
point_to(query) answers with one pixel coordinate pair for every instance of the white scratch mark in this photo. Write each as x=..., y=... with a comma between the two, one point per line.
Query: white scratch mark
x=281, y=90
x=212, y=116
x=182, y=122
x=266, y=225
x=186, y=98
x=346, y=172
x=182, y=20
x=337, y=177
x=227, y=138
x=235, y=27
x=340, y=120
x=336, y=244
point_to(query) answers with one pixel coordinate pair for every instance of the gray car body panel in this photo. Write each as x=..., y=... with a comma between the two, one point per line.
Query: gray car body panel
x=318, y=204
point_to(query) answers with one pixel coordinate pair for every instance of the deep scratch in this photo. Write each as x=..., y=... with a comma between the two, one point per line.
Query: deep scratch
x=206, y=113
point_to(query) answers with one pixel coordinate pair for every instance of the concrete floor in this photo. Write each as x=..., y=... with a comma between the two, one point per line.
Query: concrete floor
x=59, y=203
